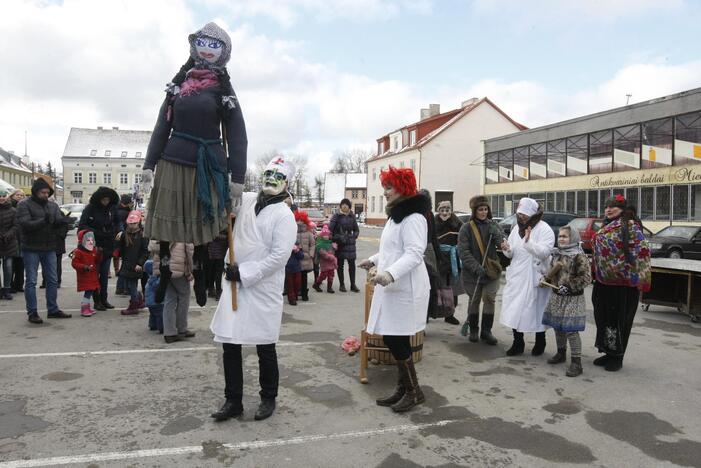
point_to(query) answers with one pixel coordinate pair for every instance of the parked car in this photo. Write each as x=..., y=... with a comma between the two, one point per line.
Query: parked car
x=316, y=216
x=74, y=210
x=464, y=217
x=677, y=242
x=587, y=227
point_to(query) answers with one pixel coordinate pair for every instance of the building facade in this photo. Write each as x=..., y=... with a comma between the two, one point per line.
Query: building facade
x=15, y=170
x=650, y=152
x=97, y=157
x=356, y=192
x=338, y=186
x=444, y=150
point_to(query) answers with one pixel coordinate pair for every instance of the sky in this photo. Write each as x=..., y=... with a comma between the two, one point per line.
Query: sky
x=315, y=77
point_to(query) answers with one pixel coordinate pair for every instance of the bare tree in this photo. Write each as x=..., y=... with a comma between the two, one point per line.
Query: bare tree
x=319, y=188
x=351, y=160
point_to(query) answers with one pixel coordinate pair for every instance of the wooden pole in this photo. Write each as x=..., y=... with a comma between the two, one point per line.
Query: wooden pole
x=232, y=259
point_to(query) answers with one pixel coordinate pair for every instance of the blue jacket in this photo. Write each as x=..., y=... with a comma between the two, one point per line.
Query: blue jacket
x=294, y=264
x=151, y=285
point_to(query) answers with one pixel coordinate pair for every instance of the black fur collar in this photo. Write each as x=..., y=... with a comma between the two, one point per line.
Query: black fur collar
x=417, y=204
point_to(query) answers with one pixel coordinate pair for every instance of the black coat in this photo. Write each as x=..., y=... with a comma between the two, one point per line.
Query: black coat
x=344, y=231
x=39, y=220
x=132, y=255
x=9, y=246
x=102, y=220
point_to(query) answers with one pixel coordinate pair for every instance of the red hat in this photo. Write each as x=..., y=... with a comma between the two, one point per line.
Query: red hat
x=402, y=180
x=301, y=216
x=81, y=234
x=134, y=217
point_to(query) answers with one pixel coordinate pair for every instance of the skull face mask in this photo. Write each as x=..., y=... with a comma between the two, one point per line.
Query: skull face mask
x=445, y=210
x=88, y=241
x=274, y=182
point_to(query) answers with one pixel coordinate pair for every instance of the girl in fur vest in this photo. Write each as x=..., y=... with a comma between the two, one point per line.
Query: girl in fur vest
x=133, y=249
x=85, y=260
x=569, y=274
x=306, y=241
x=327, y=260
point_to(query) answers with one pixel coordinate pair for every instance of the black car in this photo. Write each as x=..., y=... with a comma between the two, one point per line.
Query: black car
x=677, y=242
x=554, y=220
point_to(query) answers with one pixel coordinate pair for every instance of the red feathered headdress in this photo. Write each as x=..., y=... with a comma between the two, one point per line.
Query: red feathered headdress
x=402, y=180
x=302, y=216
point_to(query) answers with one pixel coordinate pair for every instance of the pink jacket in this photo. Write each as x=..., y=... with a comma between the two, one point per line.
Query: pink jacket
x=327, y=260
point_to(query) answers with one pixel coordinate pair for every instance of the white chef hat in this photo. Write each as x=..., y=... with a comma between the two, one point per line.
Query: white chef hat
x=282, y=165
x=527, y=206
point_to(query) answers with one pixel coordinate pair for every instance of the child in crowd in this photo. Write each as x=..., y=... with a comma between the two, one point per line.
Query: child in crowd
x=155, y=311
x=215, y=267
x=569, y=274
x=306, y=241
x=133, y=250
x=293, y=274
x=327, y=260
x=84, y=259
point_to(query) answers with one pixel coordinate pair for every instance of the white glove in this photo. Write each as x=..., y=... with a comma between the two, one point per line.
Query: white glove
x=235, y=193
x=146, y=181
x=365, y=264
x=383, y=279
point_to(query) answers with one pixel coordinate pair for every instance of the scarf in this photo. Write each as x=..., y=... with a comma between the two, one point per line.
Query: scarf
x=611, y=263
x=572, y=249
x=265, y=200
x=532, y=221
x=197, y=80
x=322, y=244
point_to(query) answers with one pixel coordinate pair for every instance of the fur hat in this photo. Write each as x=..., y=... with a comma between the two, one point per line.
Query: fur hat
x=476, y=202
x=402, y=180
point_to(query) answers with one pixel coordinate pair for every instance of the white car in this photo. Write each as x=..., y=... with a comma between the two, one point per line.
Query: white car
x=75, y=210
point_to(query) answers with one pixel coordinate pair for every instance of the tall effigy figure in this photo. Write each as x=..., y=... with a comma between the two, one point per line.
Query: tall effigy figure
x=198, y=153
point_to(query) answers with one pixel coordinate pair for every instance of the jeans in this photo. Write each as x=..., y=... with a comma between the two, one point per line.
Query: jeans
x=31, y=260
x=104, y=274
x=6, y=272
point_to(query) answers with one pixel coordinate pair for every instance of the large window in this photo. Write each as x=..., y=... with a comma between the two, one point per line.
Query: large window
x=92, y=178
x=680, y=203
x=506, y=166
x=538, y=161
x=123, y=178
x=372, y=204
x=581, y=208
x=107, y=178
x=695, y=203
x=577, y=155
x=521, y=163
x=657, y=139
x=633, y=197
x=557, y=158
x=550, y=201
x=626, y=148
x=647, y=203
x=593, y=203
x=687, y=144
x=604, y=195
x=663, y=202
x=77, y=177
x=492, y=168
x=600, y=152
x=570, y=202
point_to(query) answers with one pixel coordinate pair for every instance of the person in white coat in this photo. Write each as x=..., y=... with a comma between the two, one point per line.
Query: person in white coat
x=523, y=301
x=399, y=303
x=264, y=235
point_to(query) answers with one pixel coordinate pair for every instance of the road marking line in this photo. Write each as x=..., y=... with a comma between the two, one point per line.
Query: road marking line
x=192, y=307
x=284, y=344
x=196, y=449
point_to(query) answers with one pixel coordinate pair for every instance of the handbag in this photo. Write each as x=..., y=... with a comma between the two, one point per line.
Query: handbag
x=491, y=266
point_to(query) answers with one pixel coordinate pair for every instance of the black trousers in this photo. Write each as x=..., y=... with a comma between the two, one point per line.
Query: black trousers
x=17, y=273
x=351, y=270
x=399, y=346
x=214, y=272
x=233, y=371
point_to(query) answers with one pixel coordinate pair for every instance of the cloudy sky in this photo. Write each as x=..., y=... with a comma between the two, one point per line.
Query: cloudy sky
x=318, y=76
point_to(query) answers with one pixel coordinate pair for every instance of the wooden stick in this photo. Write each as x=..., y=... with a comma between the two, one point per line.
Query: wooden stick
x=232, y=259
x=447, y=234
x=544, y=283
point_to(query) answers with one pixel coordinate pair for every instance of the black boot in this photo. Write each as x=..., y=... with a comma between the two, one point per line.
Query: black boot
x=560, y=357
x=518, y=346
x=199, y=287
x=354, y=288
x=474, y=320
x=452, y=320
x=399, y=391
x=413, y=395
x=329, y=289
x=230, y=409
x=486, y=333
x=342, y=288
x=98, y=304
x=539, y=347
x=163, y=280
x=305, y=295
x=265, y=409
x=614, y=363
x=601, y=360
x=317, y=288
x=575, y=368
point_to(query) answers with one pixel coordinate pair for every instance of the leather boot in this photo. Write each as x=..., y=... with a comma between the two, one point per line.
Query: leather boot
x=399, y=391
x=539, y=347
x=575, y=368
x=329, y=289
x=486, y=333
x=317, y=288
x=561, y=356
x=305, y=295
x=98, y=303
x=413, y=395
x=474, y=327
x=265, y=409
x=230, y=409
x=199, y=287
x=518, y=346
x=601, y=360
x=614, y=363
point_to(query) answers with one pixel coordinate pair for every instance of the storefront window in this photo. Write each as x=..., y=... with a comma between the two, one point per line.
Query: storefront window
x=663, y=201
x=604, y=195
x=560, y=201
x=657, y=139
x=687, y=143
x=593, y=203
x=521, y=169
x=500, y=206
x=538, y=196
x=626, y=148
x=695, y=203
x=550, y=201
x=557, y=158
x=570, y=202
x=506, y=166
x=633, y=197
x=680, y=203
x=492, y=168
x=577, y=155
x=647, y=203
x=538, y=161
x=600, y=152
x=581, y=209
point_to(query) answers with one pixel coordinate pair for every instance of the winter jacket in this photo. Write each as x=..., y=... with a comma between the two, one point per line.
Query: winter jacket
x=136, y=253
x=294, y=264
x=443, y=228
x=344, y=231
x=217, y=248
x=82, y=260
x=469, y=251
x=573, y=272
x=305, y=239
x=102, y=220
x=39, y=220
x=180, y=259
x=61, y=233
x=327, y=259
x=9, y=247
x=200, y=115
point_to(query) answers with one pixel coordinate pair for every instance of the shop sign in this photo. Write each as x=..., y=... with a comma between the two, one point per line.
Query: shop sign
x=687, y=174
x=627, y=181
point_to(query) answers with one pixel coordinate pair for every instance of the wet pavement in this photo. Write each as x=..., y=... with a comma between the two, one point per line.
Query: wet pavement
x=107, y=392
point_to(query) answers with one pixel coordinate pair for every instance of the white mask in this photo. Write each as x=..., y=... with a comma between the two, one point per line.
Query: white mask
x=209, y=49
x=274, y=182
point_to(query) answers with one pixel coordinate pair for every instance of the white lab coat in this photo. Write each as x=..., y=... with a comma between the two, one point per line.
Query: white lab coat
x=262, y=245
x=400, y=308
x=523, y=302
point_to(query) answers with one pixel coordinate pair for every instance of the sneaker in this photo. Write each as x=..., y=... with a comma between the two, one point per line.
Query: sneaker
x=34, y=318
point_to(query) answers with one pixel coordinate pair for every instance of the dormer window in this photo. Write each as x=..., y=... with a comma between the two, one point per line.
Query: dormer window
x=124, y=154
x=108, y=152
x=395, y=143
x=138, y=154
x=93, y=152
x=412, y=137
x=381, y=147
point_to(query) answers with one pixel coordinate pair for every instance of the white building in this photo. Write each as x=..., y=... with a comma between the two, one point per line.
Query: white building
x=338, y=186
x=445, y=150
x=97, y=157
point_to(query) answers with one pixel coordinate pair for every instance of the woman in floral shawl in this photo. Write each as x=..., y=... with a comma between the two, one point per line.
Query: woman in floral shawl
x=622, y=270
